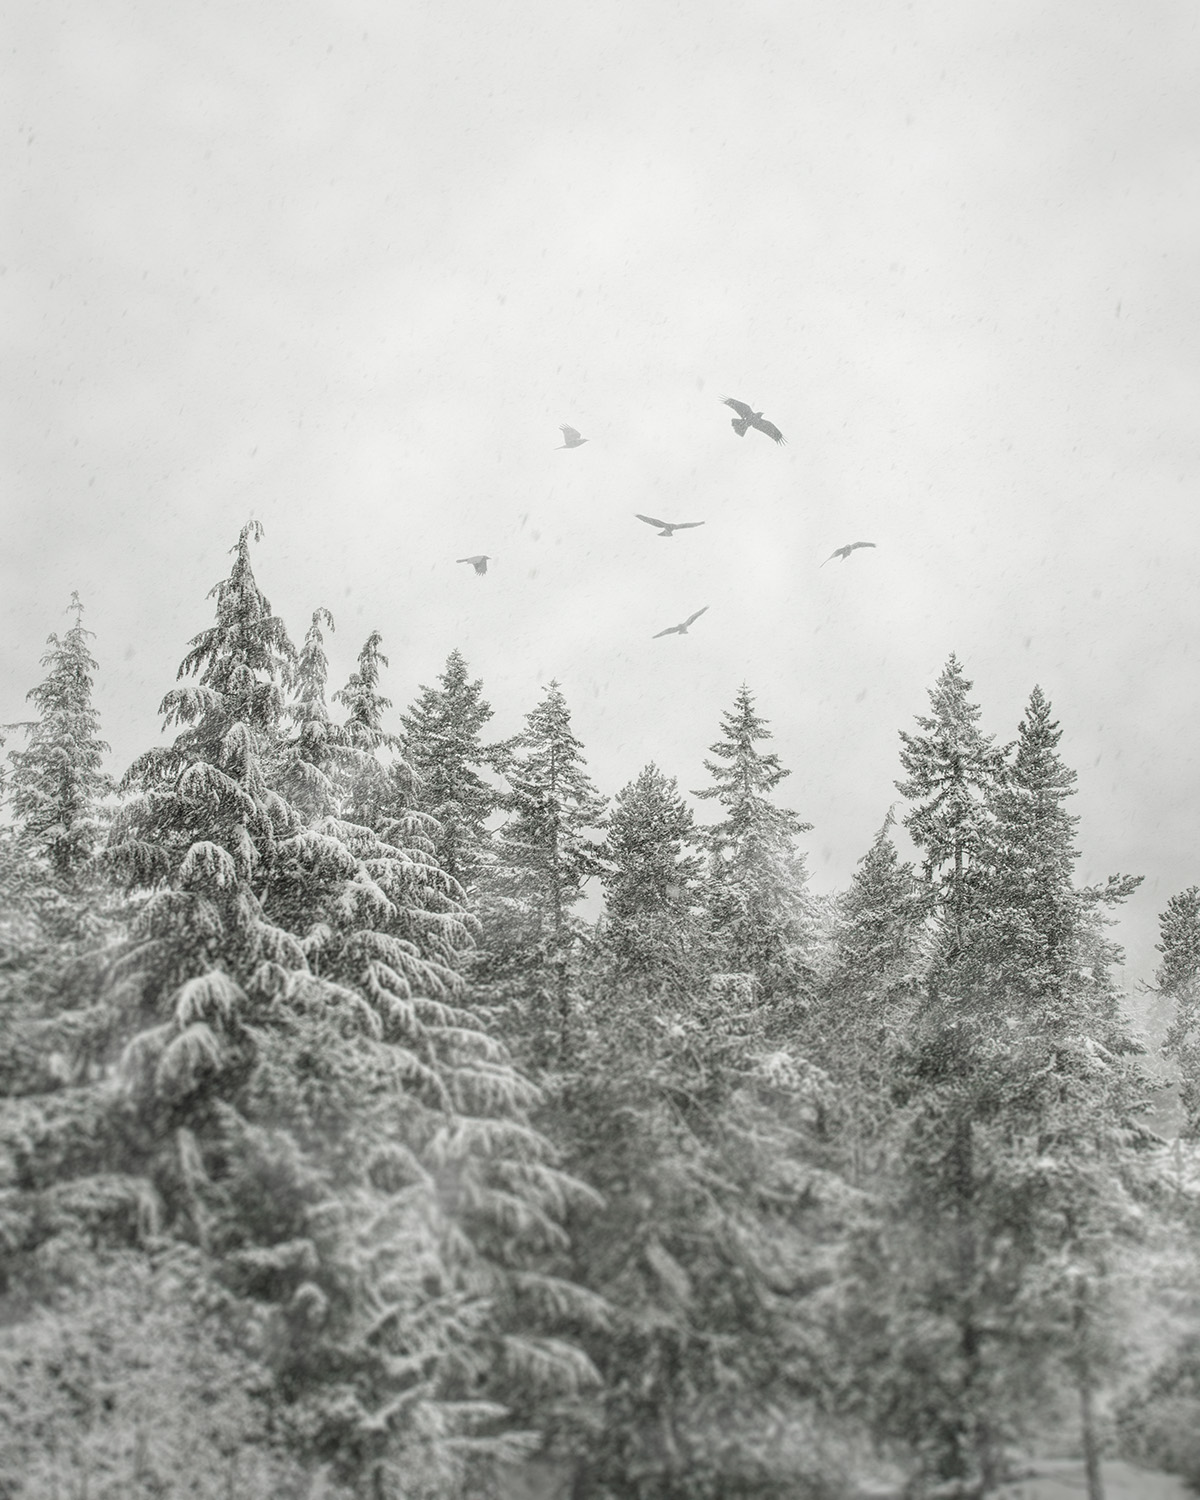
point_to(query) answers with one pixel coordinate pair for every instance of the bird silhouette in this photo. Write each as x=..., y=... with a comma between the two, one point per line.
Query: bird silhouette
x=478, y=562
x=573, y=440
x=680, y=629
x=669, y=528
x=748, y=417
x=844, y=552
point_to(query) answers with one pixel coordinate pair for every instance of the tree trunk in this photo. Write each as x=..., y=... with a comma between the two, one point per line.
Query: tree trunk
x=1087, y=1412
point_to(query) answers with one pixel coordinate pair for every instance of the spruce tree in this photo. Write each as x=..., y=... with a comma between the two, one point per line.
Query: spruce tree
x=1017, y=1089
x=867, y=996
x=284, y=1069
x=953, y=772
x=57, y=780
x=442, y=744
x=756, y=884
x=1178, y=978
x=651, y=882
x=547, y=850
x=311, y=752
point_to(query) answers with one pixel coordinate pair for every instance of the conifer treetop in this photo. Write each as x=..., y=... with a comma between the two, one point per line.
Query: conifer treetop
x=57, y=780
x=953, y=770
x=246, y=656
x=650, y=831
x=1179, y=930
x=743, y=778
x=362, y=698
x=442, y=744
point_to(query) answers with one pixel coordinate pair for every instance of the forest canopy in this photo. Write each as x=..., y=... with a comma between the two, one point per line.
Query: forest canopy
x=342, y=1154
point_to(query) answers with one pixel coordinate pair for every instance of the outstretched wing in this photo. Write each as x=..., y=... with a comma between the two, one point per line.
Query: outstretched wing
x=670, y=630
x=837, y=552
x=770, y=429
x=860, y=544
x=570, y=433
x=743, y=411
x=649, y=520
x=696, y=616
x=685, y=525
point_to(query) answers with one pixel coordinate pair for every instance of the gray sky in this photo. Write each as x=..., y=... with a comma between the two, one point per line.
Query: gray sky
x=345, y=267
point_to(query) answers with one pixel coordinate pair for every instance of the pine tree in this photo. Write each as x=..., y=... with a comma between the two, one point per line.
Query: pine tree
x=442, y=744
x=1030, y=913
x=57, y=781
x=311, y=752
x=1178, y=978
x=377, y=783
x=281, y=1062
x=953, y=772
x=867, y=997
x=651, y=882
x=547, y=850
x=756, y=887
x=879, y=918
x=718, y=1248
x=1019, y=1093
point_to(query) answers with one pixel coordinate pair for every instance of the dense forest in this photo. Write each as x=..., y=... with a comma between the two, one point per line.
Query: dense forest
x=343, y=1157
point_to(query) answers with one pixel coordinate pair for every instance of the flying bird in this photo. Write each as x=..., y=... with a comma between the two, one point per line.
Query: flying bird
x=844, y=552
x=573, y=440
x=748, y=417
x=669, y=528
x=479, y=562
x=680, y=629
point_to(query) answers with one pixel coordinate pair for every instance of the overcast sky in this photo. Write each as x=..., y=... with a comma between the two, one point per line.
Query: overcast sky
x=344, y=267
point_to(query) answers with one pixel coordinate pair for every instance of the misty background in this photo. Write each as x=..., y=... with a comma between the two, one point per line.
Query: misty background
x=344, y=268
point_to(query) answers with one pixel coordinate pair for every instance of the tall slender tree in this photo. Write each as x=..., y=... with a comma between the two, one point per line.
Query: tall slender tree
x=1019, y=1096
x=312, y=752
x=953, y=773
x=547, y=850
x=304, y=1096
x=1178, y=978
x=443, y=745
x=57, y=780
x=651, y=882
x=867, y=997
x=757, y=878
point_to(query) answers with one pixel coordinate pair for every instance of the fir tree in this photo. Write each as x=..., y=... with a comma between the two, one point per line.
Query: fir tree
x=311, y=754
x=1178, y=978
x=282, y=1064
x=546, y=852
x=756, y=892
x=953, y=771
x=867, y=997
x=1017, y=1087
x=442, y=744
x=651, y=881
x=1025, y=935
x=57, y=781
x=719, y=1249
x=377, y=783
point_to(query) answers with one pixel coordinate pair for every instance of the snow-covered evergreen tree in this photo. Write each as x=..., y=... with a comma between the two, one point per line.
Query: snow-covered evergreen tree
x=377, y=782
x=281, y=1062
x=547, y=850
x=1178, y=978
x=858, y=1024
x=756, y=886
x=57, y=780
x=1017, y=1088
x=953, y=773
x=443, y=745
x=311, y=753
x=651, y=882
